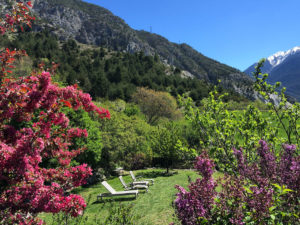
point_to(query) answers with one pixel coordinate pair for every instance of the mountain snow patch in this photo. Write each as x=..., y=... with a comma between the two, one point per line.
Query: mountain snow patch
x=280, y=56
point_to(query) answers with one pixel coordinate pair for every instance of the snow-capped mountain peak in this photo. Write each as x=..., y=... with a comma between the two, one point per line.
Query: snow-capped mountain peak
x=280, y=56
x=284, y=67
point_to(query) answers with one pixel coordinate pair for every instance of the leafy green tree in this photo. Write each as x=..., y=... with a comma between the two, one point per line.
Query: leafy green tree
x=167, y=145
x=125, y=137
x=92, y=68
x=93, y=143
x=155, y=104
x=265, y=185
x=284, y=114
x=220, y=129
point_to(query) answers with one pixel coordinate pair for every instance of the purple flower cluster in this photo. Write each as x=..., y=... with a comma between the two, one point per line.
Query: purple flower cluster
x=231, y=199
x=247, y=196
x=192, y=206
x=204, y=165
x=284, y=170
x=289, y=168
x=267, y=160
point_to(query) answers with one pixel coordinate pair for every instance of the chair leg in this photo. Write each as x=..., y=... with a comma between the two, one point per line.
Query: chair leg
x=100, y=197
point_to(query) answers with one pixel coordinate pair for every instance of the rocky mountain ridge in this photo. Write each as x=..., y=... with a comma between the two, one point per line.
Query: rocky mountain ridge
x=91, y=24
x=284, y=67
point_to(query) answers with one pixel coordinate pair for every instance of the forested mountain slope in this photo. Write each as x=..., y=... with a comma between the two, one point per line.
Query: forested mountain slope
x=104, y=73
x=91, y=24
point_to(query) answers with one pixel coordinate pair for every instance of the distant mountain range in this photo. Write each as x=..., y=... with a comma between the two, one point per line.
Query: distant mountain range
x=94, y=25
x=283, y=66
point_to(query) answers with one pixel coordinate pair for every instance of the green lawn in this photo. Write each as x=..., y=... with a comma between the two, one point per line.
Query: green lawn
x=154, y=207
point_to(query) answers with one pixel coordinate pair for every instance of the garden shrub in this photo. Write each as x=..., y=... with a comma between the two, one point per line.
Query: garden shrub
x=258, y=187
x=168, y=147
x=136, y=161
x=93, y=143
x=263, y=192
x=33, y=129
x=124, y=138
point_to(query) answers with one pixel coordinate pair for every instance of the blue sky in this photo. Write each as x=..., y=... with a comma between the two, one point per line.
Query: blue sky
x=235, y=32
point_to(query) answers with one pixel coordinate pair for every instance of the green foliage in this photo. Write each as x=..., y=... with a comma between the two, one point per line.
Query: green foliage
x=219, y=129
x=131, y=110
x=266, y=177
x=104, y=73
x=285, y=114
x=155, y=105
x=120, y=215
x=241, y=105
x=278, y=212
x=251, y=127
x=185, y=155
x=93, y=143
x=164, y=141
x=215, y=126
x=186, y=58
x=125, y=139
x=168, y=147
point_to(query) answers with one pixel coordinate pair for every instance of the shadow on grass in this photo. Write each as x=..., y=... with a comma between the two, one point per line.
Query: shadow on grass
x=155, y=174
x=113, y=200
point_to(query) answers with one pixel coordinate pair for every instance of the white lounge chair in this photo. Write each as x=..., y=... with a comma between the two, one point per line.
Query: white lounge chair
x=137, y=186
x=135, y=181
x=113, y=192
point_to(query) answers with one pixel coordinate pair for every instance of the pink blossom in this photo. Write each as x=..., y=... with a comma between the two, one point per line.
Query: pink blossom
x=30, y=188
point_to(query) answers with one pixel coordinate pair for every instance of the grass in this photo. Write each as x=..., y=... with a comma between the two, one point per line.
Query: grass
x=154, y=207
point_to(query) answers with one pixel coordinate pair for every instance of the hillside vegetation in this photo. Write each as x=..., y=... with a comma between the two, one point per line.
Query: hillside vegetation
x=94, y=25
x=56, y=143
x=104, y=73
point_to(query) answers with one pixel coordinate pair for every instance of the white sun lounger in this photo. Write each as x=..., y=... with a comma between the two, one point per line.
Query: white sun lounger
x=135, y=181
x=137, y=186
x=113, y=192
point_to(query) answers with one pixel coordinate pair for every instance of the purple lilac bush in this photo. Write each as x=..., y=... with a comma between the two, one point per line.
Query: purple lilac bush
x=263, y=192
x=197, y=204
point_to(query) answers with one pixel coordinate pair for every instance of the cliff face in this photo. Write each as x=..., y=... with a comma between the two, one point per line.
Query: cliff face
x=91, y=24
x=88, y=24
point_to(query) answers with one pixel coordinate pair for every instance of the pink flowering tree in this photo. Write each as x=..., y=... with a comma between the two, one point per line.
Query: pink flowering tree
x=32, y=130
x=17, y=18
